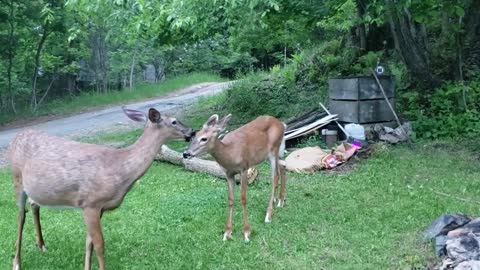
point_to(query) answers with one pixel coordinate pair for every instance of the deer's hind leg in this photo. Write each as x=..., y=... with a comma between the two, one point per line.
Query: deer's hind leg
x=274, y=165
x=281, y=173
x=38, y=227
x=21, y=198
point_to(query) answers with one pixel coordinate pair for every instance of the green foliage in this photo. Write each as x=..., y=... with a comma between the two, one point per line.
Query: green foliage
x=312, y=140
x=212, y=54
x=443, y=113
x=258, y=94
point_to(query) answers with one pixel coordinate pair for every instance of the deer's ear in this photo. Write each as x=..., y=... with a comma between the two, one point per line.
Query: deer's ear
x=135, y=115
x=154, y=116
x=212, y=121
x=222, y=123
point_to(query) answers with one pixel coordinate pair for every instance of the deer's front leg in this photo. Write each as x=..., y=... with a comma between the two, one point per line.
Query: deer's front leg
x=243, y=199
x=231, y=198
x=21, y=200
x=88, y=252
x=94, y=237
x=38, y=227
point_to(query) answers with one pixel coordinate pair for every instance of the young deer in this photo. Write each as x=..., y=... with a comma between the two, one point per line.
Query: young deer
x=239, y=150
x=51, y=171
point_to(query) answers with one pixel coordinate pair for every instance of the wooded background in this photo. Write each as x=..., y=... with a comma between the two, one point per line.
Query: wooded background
x=51, y=49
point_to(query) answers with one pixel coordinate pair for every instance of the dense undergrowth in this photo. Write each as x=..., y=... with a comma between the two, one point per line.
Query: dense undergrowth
x=450, y=111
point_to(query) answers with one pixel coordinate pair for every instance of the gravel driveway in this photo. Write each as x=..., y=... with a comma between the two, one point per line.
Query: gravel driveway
x=106, y=119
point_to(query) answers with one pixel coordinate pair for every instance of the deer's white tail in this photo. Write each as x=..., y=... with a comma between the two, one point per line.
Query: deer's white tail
x=281, y=150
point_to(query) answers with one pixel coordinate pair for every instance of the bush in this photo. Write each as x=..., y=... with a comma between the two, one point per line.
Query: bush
x=277, y=93
x=210, y=55
x=293, y=89
x=259, y=94
x=443, y=113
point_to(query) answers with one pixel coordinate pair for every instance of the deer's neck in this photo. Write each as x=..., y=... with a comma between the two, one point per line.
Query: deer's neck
x=222, y=154
x=140, y=155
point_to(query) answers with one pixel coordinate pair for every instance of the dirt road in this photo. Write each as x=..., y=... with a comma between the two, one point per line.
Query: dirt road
x=103, y=119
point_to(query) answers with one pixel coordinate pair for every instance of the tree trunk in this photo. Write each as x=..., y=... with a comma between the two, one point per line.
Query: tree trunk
x=158, y=69
x=471, y=40
x=33, y=102
x=410, y=42
x=99, y=58
x=11, y=55
x=361, y=26
x=44, y=95
x=70, y=78
x=132, y=68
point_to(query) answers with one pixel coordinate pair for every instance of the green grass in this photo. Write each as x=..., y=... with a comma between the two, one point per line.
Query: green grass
x=369, y=218
x=68, y=106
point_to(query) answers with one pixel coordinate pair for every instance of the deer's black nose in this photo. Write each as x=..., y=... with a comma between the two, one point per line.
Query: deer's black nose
x=190, y=136
x=186, y=155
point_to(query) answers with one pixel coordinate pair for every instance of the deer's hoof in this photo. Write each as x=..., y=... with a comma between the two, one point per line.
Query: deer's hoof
x=268, y=219
x=227, y=235
x=281, y=203
x=43, y=248
x=246, y=236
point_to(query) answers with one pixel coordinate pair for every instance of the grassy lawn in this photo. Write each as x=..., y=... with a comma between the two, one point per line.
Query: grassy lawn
x=369, y=218
x=68, y=106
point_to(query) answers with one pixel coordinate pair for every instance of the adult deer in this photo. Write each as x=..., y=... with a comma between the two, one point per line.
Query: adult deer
x=52, y=171
x=239, y=150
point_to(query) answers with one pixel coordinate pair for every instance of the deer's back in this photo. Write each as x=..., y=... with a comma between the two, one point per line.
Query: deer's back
x=33, y=145
x=256, y=139
x=53, y=165
x=263, y=129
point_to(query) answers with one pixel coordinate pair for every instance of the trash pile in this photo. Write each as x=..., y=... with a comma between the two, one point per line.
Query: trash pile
x=307, y=123
x=457, y=241
x=391, y=135
x=311, y=159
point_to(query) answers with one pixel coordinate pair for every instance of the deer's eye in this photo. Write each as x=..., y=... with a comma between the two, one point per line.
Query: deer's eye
x=203, y=139
x=174, y=122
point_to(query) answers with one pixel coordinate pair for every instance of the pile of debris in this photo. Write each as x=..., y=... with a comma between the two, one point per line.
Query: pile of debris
x=311, y=159
x=307, y=123
x=457, y=241
x=391, y=135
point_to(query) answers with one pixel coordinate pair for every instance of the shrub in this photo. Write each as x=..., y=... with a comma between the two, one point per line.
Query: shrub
x=443, y=113
x=210, y=55
x=259, y=94
x=293, y=89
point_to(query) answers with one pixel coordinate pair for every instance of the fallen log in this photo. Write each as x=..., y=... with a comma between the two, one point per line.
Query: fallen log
x=199, y=165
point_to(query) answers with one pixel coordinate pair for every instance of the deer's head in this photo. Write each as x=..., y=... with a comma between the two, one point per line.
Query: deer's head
x=204, y=140
x=170, y=125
